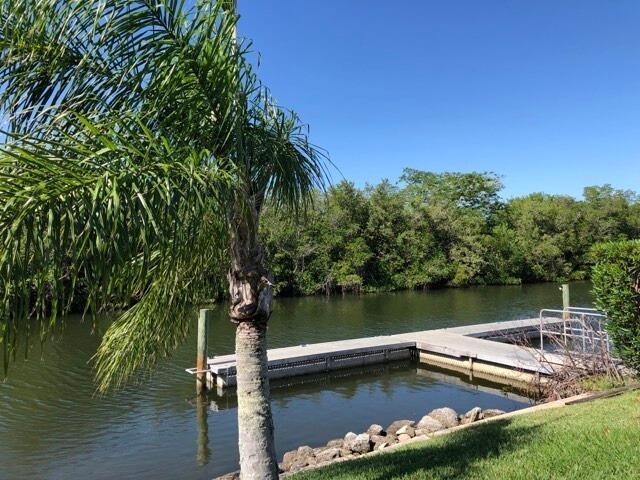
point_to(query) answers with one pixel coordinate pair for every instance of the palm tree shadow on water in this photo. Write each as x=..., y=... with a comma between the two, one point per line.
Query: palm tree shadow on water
x=454, y=459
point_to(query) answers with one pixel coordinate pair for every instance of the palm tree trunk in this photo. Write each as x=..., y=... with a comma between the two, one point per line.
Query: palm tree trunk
x=255, y=425
x=251, y=297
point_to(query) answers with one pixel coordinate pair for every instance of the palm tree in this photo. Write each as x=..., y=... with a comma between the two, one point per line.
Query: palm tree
x=139, y=151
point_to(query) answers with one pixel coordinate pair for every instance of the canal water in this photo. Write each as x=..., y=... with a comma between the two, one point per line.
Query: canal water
x=52, y=426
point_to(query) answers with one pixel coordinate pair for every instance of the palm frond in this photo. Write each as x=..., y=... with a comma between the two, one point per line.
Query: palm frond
x=285, y=165
x=108, y=206
x=179, y=68
x=135, y=127
x=159, y=322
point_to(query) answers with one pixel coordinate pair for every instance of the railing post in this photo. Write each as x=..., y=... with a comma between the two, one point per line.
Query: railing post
x=541, y=334
x=201, y=357
x=584, y=334
x=566, y=303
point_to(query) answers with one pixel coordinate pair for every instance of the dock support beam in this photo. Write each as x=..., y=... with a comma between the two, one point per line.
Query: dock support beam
x=201, y=357
x=566, y=301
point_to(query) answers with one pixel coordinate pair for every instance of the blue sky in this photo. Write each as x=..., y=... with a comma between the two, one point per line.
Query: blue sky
x=545, y=93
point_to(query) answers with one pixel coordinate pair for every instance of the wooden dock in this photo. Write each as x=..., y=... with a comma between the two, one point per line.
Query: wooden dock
x=473, y=347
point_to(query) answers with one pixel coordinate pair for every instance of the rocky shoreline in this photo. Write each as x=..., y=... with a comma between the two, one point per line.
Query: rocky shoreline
x=376, y=438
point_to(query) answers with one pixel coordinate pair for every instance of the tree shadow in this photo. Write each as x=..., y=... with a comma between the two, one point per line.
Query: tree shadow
x=454, y=458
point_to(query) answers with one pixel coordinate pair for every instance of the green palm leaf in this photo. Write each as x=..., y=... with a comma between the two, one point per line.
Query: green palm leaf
x=117, y=209
x=137, y=131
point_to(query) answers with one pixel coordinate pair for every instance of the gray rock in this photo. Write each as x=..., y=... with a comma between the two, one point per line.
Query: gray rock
x=428, y=424
x=317, y=451
x=382, y=446
x=363, y=442
x=360, y=444
x=446, y=416
x=345, y=452
x=304, y=451
x=471, y=416
x=407, y=430
x=376, y=430
x=492, y=412
x=289, y=459
x=397, y=425
x=297, y=466
x=391, y=439
x=349, y=436
x=403, y=437
x=327, y=454
x=337, y=443
x=306, y=455
x=229, y=476
x=378, y=440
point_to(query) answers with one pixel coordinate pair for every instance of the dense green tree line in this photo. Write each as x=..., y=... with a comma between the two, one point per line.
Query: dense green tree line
x=446, y=229
x=616, y=288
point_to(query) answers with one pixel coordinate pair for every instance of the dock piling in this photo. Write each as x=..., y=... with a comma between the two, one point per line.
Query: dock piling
x=201, y=357
x=566, y=303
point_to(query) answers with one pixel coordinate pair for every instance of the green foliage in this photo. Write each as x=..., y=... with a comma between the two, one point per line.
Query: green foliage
x=441, y=229
x=476, y=191
x=601, y=383
x=137, y=130
x=616, y=287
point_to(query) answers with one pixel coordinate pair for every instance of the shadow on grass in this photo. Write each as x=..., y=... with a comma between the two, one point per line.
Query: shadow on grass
x=453, y=456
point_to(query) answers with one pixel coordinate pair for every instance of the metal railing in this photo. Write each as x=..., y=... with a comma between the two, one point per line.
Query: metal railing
x=576, y=329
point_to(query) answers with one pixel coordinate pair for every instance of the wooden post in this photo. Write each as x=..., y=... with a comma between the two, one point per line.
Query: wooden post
x=565, y=301
x=201, y=357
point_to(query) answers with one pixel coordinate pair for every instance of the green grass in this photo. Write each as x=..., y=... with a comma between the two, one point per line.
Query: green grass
x=599, y=383
x=594, y=440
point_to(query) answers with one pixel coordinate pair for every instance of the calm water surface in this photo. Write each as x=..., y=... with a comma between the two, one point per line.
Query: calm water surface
x=52, y=426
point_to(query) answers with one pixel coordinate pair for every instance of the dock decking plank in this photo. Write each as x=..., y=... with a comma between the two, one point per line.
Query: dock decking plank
x=460, y=342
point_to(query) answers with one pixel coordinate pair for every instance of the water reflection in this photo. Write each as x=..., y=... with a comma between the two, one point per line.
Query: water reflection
x=312, y=409
x=203, y=451
x=349, y=382
x=54, y=426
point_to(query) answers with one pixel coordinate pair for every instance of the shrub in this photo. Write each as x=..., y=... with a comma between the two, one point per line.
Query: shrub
x=616, y=288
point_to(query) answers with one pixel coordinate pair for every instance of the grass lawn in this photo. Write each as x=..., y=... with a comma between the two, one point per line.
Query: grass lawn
x=594, y=440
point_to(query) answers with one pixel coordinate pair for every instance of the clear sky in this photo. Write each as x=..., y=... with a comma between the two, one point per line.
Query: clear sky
x=545, y=92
